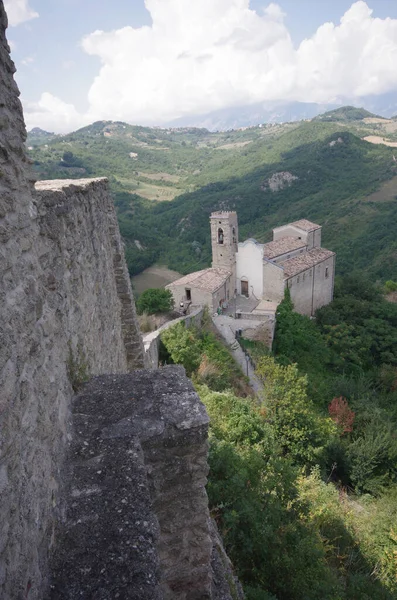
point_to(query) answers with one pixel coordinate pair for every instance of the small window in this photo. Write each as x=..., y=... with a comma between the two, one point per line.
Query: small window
x=297, y=279
x=288, y=256
x=326, y=273
x=220, y=235
x=234, y=235
x=188, y=295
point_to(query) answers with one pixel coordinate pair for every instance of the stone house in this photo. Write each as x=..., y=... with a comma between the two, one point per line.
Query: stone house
x=294, y=260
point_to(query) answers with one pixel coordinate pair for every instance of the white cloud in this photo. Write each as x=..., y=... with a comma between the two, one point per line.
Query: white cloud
x=203, y=55
x=28, y=60
x=52, y=114
x=19, y=11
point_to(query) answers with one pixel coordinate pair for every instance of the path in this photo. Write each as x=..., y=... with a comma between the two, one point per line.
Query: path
x=227, y=328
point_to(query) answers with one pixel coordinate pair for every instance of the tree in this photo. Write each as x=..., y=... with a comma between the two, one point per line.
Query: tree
x=155, y=300
x=301, y=432
x=183, y=346
x=341, y=414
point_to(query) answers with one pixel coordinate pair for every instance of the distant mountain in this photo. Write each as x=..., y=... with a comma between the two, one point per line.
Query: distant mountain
x=41, y=132
x=37, y=137
x=254, y=114
x=282, y=112
x=346, y=114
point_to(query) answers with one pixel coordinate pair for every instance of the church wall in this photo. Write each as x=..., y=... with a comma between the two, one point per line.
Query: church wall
x=324, y=285
x=198, y=296
x=311, y=289
x=273, y=282
x=301, y=290
x=224, y=255
x=249, y=265
x=311, y=238
x=225, y=293
x=289, y=230
x=202, y=297
x=317, y=238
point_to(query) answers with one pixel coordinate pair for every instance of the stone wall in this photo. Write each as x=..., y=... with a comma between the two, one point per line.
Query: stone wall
x=137, y=523
x=313, y=288
x=139, y=445
x=66, y=312
x=81, y=254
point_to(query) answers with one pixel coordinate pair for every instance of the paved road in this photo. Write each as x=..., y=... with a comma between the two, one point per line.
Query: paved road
x=227, y=328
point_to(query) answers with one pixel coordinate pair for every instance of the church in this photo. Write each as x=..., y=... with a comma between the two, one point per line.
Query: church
x=293, y=260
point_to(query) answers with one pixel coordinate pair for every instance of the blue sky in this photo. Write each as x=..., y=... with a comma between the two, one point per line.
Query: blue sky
x=235, y=52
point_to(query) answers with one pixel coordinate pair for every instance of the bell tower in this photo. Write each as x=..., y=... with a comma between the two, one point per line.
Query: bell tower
x=224, y=240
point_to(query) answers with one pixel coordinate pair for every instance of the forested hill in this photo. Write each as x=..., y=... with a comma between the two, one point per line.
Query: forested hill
x=320, y=170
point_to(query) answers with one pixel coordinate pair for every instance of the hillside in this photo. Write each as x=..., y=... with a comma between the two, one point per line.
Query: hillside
x=346, y=113
x=338, y=183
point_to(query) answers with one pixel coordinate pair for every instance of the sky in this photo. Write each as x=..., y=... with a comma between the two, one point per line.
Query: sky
x=152, y=61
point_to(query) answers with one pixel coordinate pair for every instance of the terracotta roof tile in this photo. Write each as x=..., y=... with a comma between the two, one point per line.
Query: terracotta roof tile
x=305, y=225
x=300, y=263
x=282, y=246
x=207, y=279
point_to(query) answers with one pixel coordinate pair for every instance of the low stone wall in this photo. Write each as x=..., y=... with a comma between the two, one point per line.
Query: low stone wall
x=251, y=316
x=151, y=341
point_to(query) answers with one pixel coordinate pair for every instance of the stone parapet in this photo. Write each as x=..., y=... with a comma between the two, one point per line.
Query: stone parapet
x=137, y=522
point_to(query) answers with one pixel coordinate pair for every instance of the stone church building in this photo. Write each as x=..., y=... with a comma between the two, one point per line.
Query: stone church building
x=294, y=259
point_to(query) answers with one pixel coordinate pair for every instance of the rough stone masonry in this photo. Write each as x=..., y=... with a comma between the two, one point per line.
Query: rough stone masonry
x=67, y=314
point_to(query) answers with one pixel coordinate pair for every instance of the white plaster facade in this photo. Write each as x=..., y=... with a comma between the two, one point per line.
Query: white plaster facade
x=249, y=268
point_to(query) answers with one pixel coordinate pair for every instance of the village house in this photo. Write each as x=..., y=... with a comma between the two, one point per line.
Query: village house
x=293, y=260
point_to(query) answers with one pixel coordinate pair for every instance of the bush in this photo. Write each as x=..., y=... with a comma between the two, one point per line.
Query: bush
x=391, y=286
x=183, y=346
x=155, y=300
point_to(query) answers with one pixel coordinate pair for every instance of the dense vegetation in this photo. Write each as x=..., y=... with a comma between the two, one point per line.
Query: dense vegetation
x=303, y=486
x=155, y=300
x=167, y=182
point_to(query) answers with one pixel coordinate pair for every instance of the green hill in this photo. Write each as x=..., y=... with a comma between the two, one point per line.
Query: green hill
x=344, y=183
x=346, y=113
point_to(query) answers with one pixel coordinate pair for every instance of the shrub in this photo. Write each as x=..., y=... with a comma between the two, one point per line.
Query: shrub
x=183, y=346
x=341, y=414
x=391, y=286
x=155, y=300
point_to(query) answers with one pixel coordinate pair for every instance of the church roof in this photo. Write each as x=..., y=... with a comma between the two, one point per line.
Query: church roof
x=302, y=262
x=209, y=280
x=305, y=225
x=282, y=246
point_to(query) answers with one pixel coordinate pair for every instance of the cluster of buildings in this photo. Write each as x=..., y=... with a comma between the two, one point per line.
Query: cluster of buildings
x=293, y=260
